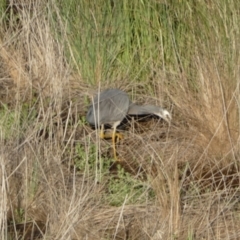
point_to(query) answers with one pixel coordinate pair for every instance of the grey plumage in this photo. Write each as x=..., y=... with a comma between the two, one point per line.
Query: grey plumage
x=109, y=107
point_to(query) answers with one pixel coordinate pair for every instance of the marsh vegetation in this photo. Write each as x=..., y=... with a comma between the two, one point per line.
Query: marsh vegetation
x=174, y=181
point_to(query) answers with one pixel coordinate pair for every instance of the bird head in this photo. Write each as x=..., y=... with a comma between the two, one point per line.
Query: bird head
x=164, y=114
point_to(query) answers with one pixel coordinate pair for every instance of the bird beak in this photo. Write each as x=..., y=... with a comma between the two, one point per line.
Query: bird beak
x=167, y=119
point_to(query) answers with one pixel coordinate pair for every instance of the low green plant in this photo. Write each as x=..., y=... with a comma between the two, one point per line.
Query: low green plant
x=19, y=214
x=86, y=159
x=83, y=159
x=125, y=188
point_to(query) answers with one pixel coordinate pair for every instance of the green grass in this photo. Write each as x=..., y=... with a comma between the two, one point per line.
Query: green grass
x=114, y=41
x=122, y=40
x=7, y=122
x=14, y=122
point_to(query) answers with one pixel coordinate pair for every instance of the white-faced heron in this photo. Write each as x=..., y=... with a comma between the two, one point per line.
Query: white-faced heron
x=111, y=106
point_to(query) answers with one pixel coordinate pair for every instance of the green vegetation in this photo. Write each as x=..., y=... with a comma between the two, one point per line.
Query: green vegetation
x=7, y=119
x=176, y=181
x=125, y=189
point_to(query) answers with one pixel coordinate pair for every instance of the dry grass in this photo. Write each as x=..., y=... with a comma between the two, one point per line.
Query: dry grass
x=54, y=184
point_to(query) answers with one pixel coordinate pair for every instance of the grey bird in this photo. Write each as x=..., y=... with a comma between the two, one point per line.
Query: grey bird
x=111, y=106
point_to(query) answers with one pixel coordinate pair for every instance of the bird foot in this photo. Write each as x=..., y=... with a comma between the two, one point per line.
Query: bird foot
x=117, y=136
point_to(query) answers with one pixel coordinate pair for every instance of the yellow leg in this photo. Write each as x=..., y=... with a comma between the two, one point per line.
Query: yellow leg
x=102, y=136
x=114, y=145
x=112, y=135
x=119, y=136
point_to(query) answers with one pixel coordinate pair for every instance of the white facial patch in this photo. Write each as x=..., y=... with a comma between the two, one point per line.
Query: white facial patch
x=167, y=115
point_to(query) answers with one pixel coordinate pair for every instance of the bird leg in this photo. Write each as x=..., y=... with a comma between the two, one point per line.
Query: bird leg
x=114, y=145
x=118, y=136
x=102, y=135
x=112, y=135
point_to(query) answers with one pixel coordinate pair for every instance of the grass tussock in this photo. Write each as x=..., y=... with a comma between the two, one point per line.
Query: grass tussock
x=173, y=181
